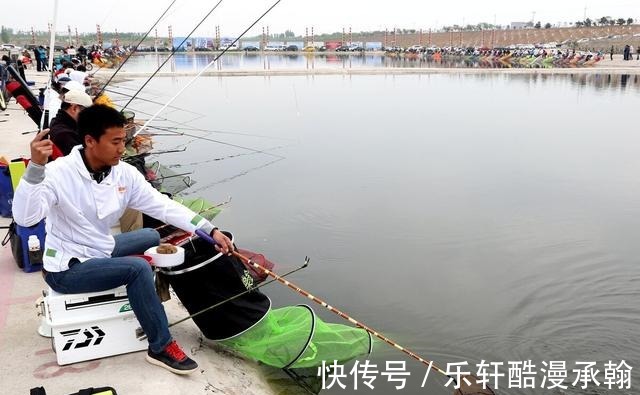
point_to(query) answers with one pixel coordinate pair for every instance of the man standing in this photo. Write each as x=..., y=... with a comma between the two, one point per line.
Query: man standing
x=82, y=195
x=64, y=127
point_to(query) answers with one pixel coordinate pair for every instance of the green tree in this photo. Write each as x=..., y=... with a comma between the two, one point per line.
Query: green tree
x=538, y=25
x=612, y=22
x=547, y=25
x=621, y=21
x=588, y=22
x=579, y=24
x=629, y=21
x=604, y=20
x=5, y=34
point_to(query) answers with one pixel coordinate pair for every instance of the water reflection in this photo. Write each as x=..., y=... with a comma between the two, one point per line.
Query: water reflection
x=186, y=62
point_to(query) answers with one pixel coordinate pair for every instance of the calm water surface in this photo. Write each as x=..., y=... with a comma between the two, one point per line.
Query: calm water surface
x=468, y=218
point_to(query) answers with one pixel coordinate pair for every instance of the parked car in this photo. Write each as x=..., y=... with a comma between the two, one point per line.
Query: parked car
x=273, y=47
x=291, y=48
x=343, y=48
x=10, y=47
x=229, y=47
x=309, y=48
x=415, y=49
x=250, y=48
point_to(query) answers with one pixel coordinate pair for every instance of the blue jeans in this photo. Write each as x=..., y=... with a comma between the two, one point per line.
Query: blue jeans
x=100, y=274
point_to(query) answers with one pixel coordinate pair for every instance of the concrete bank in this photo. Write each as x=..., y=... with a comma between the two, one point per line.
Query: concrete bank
x=28, y=359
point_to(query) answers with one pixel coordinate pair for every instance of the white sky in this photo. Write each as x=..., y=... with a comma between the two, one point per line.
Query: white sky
x=233, y=16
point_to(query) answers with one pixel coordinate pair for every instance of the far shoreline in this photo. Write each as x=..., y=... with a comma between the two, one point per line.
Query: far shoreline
x=600, y=69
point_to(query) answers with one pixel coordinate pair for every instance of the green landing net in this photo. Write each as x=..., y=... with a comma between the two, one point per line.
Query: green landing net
x=294, y=337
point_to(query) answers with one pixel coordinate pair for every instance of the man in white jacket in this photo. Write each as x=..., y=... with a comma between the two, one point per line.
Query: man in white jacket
x=82, y=195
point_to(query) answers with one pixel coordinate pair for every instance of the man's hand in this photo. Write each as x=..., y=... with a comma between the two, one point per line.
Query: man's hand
x=223, y=243
x=41, y=148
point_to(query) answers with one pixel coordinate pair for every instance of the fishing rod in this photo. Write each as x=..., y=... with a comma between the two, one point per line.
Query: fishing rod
x=52, y=44
x=136, y=48
x=171, y=54
x=243, y=173
x=140, y=333
x=166, y=128
x=255, y=151
x=249, y=262
x=150, y=101
x=219, y=158
x=208, y=65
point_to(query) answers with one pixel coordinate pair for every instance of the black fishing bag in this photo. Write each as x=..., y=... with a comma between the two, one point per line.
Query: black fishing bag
x=208, y=277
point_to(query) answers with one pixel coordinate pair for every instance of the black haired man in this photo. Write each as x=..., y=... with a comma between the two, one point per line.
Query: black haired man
x=82, y=195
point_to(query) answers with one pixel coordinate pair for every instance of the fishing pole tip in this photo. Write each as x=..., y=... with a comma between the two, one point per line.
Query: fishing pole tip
x=306, y=261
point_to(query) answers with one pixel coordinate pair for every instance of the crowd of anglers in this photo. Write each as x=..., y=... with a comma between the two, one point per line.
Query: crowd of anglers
x=521, y=57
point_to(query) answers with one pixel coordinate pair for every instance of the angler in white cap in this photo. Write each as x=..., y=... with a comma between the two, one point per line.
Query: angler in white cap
x=64, y=128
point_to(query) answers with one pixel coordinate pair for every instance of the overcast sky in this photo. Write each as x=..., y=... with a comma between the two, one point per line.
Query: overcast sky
x=233, y=16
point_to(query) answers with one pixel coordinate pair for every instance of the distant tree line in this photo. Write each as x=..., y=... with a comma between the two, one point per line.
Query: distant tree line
x=604, y=21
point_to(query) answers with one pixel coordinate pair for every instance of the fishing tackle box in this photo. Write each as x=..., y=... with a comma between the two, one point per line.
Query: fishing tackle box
x=90, y=325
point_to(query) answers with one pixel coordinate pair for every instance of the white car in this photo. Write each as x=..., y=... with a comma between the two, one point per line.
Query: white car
x=275, y=47
x=10, y=47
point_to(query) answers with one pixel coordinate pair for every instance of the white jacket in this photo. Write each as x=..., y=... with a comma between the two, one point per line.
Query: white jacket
x=80, y=212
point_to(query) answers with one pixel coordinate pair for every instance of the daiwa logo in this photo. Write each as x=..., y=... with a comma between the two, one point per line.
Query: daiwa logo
x=125, y=307
x=92, y=337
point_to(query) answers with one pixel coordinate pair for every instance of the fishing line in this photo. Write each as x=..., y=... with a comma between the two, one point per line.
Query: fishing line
x=220, y=158
x=256, y=151
x=169, y=129
x=205, y=138
x=172, y=53
x=167, y=119
x=153, y=102
x=136, y=47
x=208, y=65
x=222, y=181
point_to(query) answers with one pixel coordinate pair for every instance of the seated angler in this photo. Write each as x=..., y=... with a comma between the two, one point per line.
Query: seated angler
x=82, y=195
x=64, y=127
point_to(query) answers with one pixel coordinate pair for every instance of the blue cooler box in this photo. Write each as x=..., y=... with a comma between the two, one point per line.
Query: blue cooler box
x=29, y=262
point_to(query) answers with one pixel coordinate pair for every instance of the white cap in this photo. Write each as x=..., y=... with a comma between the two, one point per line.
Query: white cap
x=74, y=86
x=77, y=97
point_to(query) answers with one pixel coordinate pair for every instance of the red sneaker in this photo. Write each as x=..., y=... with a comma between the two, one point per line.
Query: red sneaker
x=173, y=359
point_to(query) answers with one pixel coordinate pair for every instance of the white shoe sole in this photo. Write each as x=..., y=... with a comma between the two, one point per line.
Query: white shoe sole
x=154, y=361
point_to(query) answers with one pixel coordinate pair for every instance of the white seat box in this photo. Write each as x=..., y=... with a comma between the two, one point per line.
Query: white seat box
x=91, y=325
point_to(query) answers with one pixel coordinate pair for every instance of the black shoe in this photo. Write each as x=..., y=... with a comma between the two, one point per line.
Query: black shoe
x=173, y=359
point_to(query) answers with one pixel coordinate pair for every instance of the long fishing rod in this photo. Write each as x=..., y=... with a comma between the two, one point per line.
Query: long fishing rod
x=172, y=53
x=216, y=159
x=141, y=336
x=243, y=173
x=249, y=262
x=151, y=101
x=136, y=47
x=208, y=65
x=52, y=44
x=255, y=151
x=167, y=128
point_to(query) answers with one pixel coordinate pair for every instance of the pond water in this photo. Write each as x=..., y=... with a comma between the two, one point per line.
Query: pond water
x=469, y=218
